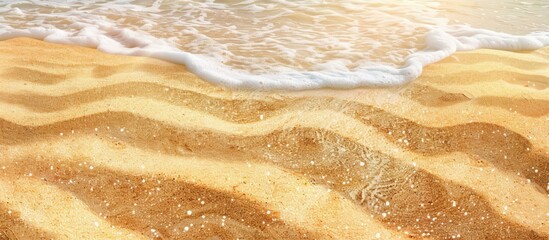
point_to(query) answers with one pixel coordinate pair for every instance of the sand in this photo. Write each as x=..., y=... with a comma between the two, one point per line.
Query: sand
x=99, y=146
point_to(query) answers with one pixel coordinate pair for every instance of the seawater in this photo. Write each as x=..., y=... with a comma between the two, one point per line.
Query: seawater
x=280, y=44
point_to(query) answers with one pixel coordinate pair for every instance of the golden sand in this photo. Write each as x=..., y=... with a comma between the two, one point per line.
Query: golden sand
x=98, y=146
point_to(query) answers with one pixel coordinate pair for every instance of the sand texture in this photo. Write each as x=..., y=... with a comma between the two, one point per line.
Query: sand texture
x=99, y=146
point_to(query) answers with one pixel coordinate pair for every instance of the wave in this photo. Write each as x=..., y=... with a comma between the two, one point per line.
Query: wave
x=217, y=59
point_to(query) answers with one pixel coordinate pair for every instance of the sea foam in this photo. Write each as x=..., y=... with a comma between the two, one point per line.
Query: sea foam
x=300, y=64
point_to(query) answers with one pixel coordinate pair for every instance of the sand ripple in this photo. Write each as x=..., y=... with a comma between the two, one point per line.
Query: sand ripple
x=136, y=147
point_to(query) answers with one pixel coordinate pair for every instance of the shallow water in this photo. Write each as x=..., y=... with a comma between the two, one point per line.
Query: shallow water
x=286, y=44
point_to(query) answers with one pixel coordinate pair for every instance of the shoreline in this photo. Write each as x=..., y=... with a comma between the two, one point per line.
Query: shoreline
x=438, y=44
x=466, y=142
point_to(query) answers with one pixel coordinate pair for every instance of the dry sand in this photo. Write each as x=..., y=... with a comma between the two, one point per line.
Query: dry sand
x=98, y=146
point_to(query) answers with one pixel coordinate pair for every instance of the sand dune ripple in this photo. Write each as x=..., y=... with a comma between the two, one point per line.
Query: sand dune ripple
x=158, y=153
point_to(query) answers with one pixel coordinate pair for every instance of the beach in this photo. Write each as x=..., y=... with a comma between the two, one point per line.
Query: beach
x=102, y=146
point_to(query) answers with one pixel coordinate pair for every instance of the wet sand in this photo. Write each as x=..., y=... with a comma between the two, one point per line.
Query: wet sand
x=99, y=146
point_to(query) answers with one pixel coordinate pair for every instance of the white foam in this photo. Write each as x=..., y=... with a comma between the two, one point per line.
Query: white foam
x=440, y=42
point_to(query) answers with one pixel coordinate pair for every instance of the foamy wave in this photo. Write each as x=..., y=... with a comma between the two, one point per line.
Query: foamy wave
x=215, y=62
